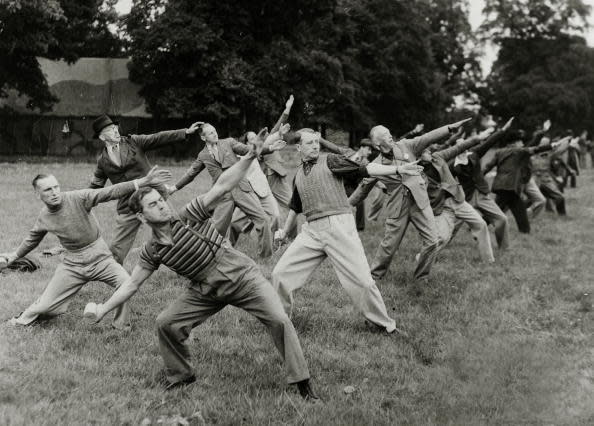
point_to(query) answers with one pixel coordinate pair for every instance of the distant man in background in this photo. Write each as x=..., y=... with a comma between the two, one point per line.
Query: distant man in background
x=122, y=159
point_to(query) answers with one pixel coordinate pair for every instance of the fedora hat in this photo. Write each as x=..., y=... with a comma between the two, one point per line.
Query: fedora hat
x=101, y=123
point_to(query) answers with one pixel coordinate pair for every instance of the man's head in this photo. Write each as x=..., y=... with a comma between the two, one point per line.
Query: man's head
x=381, y=138
x=47, y=190
x=106, y=130
x=209, y=134
x=150, y=207
x=308, y=144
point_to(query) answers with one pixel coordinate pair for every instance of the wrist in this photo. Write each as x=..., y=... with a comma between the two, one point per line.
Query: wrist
x=136, y=184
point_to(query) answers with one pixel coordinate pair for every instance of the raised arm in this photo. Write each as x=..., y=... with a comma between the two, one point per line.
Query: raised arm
x=492, y=163
x=493, y=139
x=451, y=152
x=414, y=132
x=420, y=143
x=161, y=139
x=96, y=312
x=335, y=149
x=195, y=168
x=228, y=179
x=285, y=115
x=362, y=191
x=92, y=197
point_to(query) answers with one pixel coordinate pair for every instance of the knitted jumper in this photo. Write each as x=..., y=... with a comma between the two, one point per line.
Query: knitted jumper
x=322, y=193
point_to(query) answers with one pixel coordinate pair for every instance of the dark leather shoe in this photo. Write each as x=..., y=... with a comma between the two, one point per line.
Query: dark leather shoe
x=161, y=380
x=306, y=391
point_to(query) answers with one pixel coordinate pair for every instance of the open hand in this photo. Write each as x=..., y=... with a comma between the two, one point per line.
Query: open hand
x=195, y=126
x=156, y=177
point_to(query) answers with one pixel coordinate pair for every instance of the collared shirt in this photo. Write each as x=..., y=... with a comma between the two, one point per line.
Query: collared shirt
x=339, y=165
x=214, y=151
x=191, y=252
x=113, y=150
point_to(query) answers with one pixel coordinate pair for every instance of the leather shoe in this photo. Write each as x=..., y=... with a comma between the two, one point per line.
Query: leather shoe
x=306, y=391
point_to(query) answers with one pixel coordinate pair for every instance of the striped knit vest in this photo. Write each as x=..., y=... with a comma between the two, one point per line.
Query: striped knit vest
x=322, y=193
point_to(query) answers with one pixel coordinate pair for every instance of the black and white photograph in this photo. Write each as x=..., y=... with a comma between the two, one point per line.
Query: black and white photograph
x=306, y=212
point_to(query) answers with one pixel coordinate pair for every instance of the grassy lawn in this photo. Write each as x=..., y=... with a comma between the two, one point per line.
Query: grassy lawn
x=508, y=343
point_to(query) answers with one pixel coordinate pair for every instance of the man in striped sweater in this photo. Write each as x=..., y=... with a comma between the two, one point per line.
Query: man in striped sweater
x=330, y=230
x=220, y=275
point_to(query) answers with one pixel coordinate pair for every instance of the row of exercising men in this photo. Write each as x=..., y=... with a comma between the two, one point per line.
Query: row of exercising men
x=194, y=246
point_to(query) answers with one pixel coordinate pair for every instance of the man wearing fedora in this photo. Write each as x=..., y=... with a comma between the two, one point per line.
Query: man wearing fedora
x=124, y=159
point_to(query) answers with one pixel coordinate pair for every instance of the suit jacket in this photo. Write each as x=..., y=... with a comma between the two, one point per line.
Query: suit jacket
x=257, y=180
x=447, y=182
x=513, y=167
x=134, y=163
x=229, y=149
x=471, y=175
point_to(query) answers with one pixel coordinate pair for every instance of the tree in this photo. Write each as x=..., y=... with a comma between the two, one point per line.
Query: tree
x=65, y=29
x=543, y=69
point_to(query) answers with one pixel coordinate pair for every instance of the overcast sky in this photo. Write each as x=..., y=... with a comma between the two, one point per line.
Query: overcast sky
x=476, y=18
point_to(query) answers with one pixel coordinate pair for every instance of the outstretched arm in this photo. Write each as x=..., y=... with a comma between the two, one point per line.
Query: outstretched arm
x=161, y=139
x=362, y=191
x=285, y=115
x=92, y=197
x=35, y=236
x=420, y=143
x=228, y=179
x=96, y=312
x=195, y=168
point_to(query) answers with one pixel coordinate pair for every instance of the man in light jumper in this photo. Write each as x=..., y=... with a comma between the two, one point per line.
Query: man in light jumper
x=189, y=244
x=330, y=229
x=68, y=216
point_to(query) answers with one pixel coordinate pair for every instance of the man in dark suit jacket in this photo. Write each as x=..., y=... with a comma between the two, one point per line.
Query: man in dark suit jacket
x=513, y=172
x=217, y=156
x=124, y=159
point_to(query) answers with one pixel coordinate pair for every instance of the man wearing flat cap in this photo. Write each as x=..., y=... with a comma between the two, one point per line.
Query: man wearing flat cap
x=124, y=159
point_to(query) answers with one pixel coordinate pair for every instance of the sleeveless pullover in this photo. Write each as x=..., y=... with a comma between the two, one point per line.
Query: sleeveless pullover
x=322, y=193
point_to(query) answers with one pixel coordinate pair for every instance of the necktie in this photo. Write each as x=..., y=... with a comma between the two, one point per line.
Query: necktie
x=115, y=154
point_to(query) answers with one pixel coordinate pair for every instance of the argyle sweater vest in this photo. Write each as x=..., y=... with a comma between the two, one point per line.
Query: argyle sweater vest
x=322, y=193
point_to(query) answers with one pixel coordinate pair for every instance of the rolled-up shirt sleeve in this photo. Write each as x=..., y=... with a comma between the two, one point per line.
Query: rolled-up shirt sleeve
x=345, y=167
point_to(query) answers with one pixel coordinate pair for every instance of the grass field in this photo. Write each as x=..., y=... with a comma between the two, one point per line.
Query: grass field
x=508, y=343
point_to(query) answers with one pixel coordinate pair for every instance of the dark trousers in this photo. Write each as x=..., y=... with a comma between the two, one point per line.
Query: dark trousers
x=550, y=191
x=512, y=201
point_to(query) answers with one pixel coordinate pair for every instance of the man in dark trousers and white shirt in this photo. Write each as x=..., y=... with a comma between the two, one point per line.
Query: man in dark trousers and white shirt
x=189, y=244
x=124, y=159
x=68, y=216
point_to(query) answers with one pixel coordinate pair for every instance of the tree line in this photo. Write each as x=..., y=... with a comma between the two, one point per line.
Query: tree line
x=349, y=63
